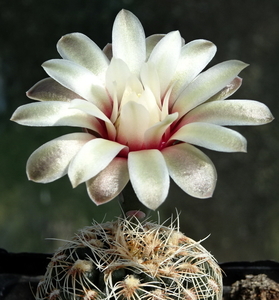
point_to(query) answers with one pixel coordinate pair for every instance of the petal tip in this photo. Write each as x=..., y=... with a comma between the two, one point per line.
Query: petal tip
x=210, y=192
x=244, y=149
x=73, y=180
x=209, y=195
x=12, y=118
x=271, y=118
x=15, y=116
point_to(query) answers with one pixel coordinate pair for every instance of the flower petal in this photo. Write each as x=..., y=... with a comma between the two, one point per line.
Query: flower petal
x=51, y=160
x=228, y=90
x=150, y=79
x=91, y=109
x=165, y=57
x=128, y=40
x=50, y=90
x=116, y=77
x=230, y=112
x=78, y=79
x=153, y=135
x=134, y=89
x=108, y=51
x=80, y=49
x=211, y=136
x=191, y=170
x=149, y=177
x=207, y=84
x=109, y=182
x=193, y=59
x=151, y=41
x=133, y=122
x=147, y=99
x=92, y=159
x=54, y=113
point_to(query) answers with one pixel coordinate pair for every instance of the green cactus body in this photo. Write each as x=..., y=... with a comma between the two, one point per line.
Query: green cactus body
x=128, y=259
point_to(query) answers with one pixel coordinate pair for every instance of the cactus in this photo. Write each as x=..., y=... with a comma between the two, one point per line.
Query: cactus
x=133, y=260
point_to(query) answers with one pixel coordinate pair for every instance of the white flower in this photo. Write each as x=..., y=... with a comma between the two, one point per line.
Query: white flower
x=144, y=103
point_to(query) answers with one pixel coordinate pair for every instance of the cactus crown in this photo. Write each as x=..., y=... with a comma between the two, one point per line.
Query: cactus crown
x=128, y=259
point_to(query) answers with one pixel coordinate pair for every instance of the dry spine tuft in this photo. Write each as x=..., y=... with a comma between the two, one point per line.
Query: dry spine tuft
x=130, y=260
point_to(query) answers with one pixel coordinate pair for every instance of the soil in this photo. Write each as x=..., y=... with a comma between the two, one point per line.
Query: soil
x=258, y=287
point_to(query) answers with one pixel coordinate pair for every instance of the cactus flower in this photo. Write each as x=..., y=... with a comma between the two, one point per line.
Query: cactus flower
x=144, y=104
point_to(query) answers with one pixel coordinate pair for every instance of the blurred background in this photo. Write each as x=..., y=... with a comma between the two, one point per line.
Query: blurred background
x=242, y=217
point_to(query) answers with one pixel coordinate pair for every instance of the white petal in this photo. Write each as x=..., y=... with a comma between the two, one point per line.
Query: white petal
x=211, y=136
x=149, y=78
x=116, y=77
x=165, y=57
x=115, y=108
x=153, y=136
x=51, y=160
x=230, y=112
x=91, y=109
x=50, y=90
x=207, y=84
x=92, y=159
x=148, y=100
x=228, y=90
x=78, y=79
x=151, y=42
x=166, y=104
x=110, y=182
x=191, y=170
x=133, y=87
x=54, y=113
x=80, y=49
x=193, y=59
x=133, y=122
x=149, y=177
x=128, y=40
x=108, y=50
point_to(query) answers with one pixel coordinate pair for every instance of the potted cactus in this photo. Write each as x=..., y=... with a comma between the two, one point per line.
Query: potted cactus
x=145, y=105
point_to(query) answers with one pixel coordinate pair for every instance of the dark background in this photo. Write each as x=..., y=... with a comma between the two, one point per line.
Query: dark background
x=242, y=216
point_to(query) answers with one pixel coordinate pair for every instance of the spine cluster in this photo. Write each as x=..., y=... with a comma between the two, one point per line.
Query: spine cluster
x=128, y=259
